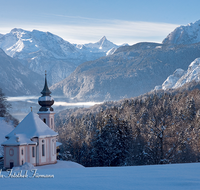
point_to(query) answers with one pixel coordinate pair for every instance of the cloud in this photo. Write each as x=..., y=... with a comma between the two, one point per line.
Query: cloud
x=84, y=30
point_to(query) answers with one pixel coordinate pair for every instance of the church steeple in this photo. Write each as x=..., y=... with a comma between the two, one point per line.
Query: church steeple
x=46, y=91
x=46, y=112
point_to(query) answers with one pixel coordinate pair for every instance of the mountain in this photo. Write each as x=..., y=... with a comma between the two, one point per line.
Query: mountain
x=16, y=79
x=103, y=45
x=130, y=71
x=42, y=51
x=189, y=34
x=1, y=35
x=181, y=77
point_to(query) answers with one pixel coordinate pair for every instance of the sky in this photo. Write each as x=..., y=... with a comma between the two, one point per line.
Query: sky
x=84, y=21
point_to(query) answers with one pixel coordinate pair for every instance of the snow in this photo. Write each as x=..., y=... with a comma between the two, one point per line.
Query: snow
x=193, y=73
x=181, y=77
x=26, y=166
x=18, y=139
x=171, y=80
x=58, y=144
x=184, y=34
x=32, y=126
x=165, y=177
x=5, y=128
x=111, y=51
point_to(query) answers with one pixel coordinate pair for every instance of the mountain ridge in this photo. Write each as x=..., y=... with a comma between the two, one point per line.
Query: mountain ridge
x=41, y=51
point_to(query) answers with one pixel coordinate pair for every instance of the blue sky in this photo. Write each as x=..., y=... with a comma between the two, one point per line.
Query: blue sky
x=83, y=21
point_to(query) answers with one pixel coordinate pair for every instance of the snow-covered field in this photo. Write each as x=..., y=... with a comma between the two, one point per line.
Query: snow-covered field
x=161, y=177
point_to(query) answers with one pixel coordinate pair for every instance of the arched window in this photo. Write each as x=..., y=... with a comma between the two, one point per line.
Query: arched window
x=22, y=151
x=44, y=120
x=22, y=162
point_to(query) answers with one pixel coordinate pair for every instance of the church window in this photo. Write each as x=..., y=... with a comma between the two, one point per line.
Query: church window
x=22, y=151
x=44, y=120
x=43, y=154
x=22, y=162
x=11, y=152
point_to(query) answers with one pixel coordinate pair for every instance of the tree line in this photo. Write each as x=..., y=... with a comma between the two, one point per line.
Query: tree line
x=159, y=129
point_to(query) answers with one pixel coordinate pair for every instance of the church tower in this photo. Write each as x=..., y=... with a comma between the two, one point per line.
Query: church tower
x=46, y=112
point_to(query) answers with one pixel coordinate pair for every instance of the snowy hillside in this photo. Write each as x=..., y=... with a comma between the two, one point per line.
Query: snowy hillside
x=41, y=51
x=189, y=34
x=155, y=177
x=5, y=128
x=181, y=77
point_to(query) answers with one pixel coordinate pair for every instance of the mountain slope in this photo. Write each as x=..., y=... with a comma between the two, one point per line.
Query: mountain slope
x=16, y=79
x=181, y=77
x=42, y=51
x=130, y=71
x=189, y=34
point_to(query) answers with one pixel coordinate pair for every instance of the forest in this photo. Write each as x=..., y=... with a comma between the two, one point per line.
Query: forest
x=154, y=129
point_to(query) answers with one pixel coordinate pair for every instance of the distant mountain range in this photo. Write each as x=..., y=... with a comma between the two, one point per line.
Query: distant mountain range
x=132, y=70
x=109, y=72
x=42, y=51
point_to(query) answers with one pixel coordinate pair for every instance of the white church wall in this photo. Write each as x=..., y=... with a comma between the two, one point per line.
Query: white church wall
x=11, y=154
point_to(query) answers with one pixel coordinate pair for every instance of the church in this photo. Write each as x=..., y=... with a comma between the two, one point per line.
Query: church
x=34, y=139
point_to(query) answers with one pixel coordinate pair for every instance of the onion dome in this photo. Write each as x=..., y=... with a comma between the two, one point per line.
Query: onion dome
x=46, y=101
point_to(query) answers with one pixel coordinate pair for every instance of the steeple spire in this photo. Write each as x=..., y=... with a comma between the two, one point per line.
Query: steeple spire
x=46, y=101
x=46, y=91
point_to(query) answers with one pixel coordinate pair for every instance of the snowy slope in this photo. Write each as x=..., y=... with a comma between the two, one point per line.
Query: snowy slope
x=189, y=34
x=193, y=73
x=181, y=77
x=155, y=177
x=171, y=80
x=5, y=128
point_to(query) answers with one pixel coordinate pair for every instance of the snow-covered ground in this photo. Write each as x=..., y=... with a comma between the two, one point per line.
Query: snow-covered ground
x=157, y=177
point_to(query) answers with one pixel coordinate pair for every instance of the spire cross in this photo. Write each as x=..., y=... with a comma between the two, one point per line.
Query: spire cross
x=45, y=72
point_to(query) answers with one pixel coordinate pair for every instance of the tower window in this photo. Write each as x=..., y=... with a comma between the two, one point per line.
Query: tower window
x=52, y=122
x=33, y=151
x=22, y=151
x=44, y=120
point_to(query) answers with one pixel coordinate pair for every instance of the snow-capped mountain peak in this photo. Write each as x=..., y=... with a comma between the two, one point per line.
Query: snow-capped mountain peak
x=181, y=77
x=188, y=34
x=41, y=51
x=103, y=45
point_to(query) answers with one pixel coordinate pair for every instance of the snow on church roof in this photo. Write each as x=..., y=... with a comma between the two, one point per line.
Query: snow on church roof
x=32, y=126
x=19, y=139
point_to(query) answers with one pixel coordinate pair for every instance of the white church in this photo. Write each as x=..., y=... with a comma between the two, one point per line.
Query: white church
x=34, y=139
